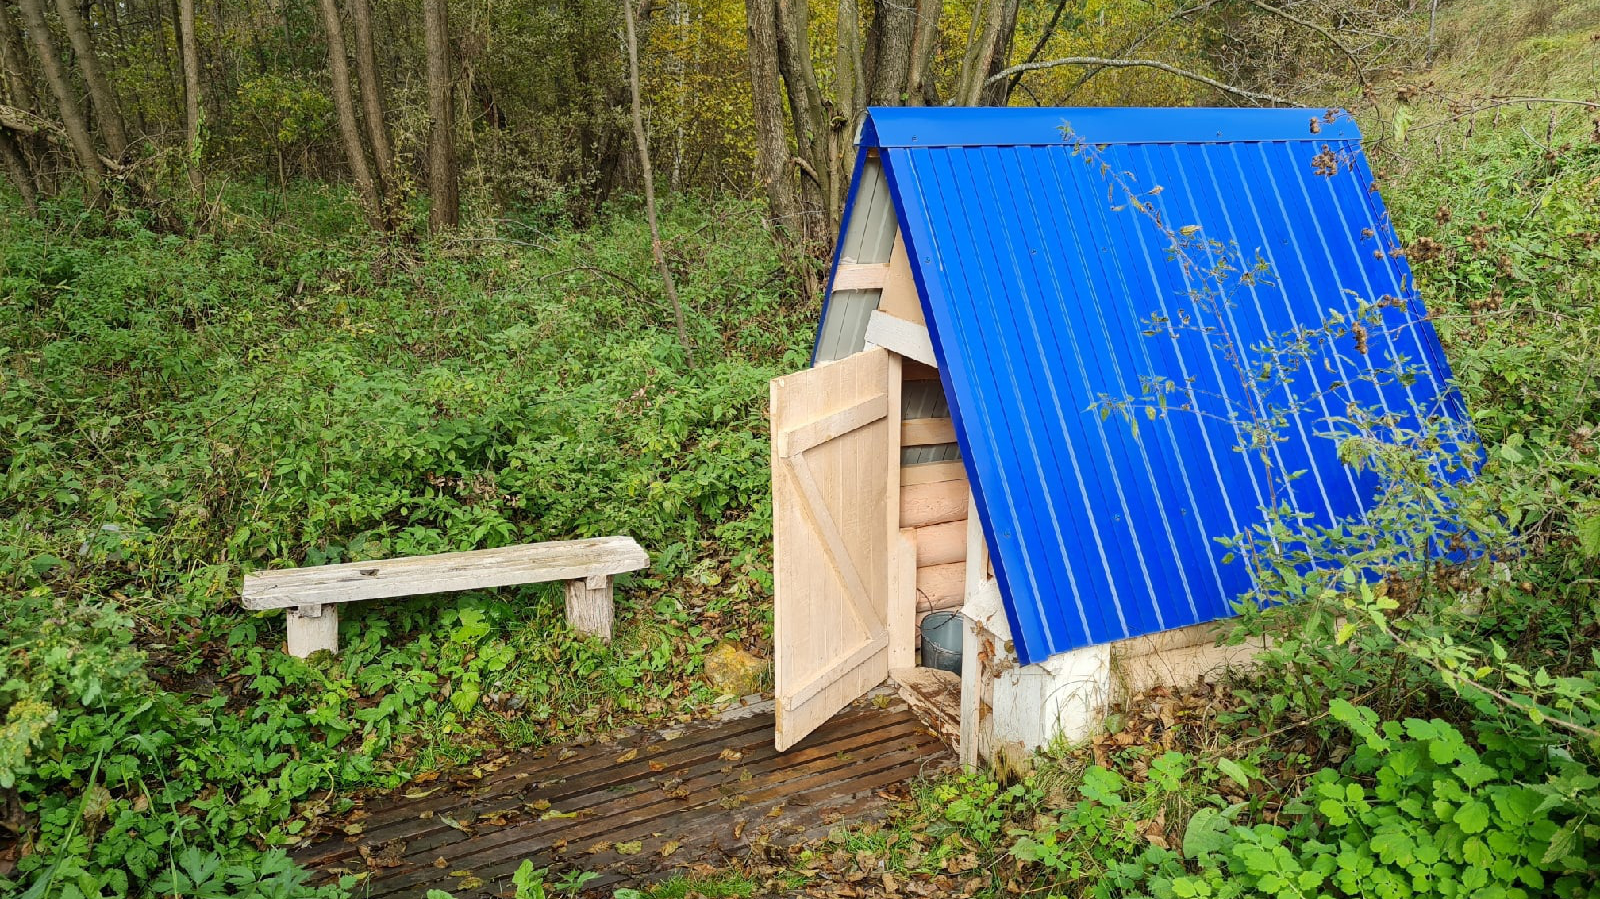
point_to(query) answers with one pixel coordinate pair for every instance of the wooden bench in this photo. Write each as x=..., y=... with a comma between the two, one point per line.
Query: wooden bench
x=312, y=594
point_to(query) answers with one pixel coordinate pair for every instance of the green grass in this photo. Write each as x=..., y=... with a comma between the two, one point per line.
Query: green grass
x=290, y=391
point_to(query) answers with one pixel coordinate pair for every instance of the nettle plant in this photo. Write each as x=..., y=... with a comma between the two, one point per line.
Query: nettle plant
x=1404, y=581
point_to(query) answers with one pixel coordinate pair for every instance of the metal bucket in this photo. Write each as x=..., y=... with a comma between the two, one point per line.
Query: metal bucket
x=941, y=641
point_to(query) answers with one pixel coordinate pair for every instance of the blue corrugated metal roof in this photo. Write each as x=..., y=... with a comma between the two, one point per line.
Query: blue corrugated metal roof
x=1037, y=291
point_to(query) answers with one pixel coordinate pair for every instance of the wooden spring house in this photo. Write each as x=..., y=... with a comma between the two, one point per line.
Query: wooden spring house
x=944, y=451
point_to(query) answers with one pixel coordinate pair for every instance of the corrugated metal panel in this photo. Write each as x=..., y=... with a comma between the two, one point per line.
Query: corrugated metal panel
x=869, y=232
x=1037, y=292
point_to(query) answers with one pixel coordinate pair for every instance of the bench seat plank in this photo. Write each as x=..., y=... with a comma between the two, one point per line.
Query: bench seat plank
x=448, y=572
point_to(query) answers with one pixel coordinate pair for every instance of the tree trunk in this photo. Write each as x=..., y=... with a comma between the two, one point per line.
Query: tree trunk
x=919, y=86
x=18, y=170
x=72, y=118
x=986, y=55
x=772, y=140
x=18, y=86
x=190, y=52
x=894, y=27
x=345, y=107
x=372, y=96
x=999, y=53
x=819, y=200
x=444, y=211
x=643, y=143
x=100, y=94
x=15, y=59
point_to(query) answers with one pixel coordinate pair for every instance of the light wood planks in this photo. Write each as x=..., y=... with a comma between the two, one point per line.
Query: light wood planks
x=906, y=338
x=831, y=548
x=977, y=566
x=860, y=276
x=927, y=431
x=925, y=504
x=448, y=572
x=941, y=587
x=931, y=472
x=934, y=697
x=941, y=544
x=900, y=298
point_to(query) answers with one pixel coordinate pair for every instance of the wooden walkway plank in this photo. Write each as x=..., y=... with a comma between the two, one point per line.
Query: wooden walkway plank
x=596, y=777
x=632, y=809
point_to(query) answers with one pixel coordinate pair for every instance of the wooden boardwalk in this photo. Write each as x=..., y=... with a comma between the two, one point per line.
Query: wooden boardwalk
x=633, y=809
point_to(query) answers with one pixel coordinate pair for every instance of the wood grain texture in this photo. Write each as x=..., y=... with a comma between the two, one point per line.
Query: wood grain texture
x=930, y=472
x=941, y=587
x=306, y=634
x=936, y=503
x=927, y=432
x=973, y=679
x=688, y=795
x=903, y=600
x=900, y=298
x=448, y=572
x=940, y=544
x=831, y=548
x=906, y=338
x=934, y=696
x=860, y=276
x=589, y=607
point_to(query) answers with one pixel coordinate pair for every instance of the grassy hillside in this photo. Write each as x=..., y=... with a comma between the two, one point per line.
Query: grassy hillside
x=180, y=409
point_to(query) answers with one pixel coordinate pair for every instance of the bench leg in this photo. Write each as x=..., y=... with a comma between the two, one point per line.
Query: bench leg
x=589, y=606
x=313, y=628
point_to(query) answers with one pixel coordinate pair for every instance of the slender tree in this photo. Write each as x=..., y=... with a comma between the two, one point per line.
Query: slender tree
x=643, y=143
x=189, y=50
x=443, y=187
x=345, y=108
x=18, y=170
x=372, y=95
x=889, y=66
x=101, y=96
x=72, y=117
x=31, y=150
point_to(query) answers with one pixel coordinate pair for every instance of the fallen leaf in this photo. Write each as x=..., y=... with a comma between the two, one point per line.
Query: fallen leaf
x=422, y=794
x=670, y=848
x=628, y=756
x=658, y=766
x=553, y=814
x=629, y=848
x=775, y=811
x=730, y=755
x=738, y=829
x=441, y=862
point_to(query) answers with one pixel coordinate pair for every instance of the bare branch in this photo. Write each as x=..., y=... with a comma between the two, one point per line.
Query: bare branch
x=1355, y=63
x=1139, y=63
x=1134, y=44
x=22, y=121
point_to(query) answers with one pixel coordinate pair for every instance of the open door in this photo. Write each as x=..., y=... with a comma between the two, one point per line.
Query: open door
x=835, y=510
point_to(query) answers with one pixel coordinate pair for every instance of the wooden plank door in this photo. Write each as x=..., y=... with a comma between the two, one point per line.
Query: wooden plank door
x=835, y=509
